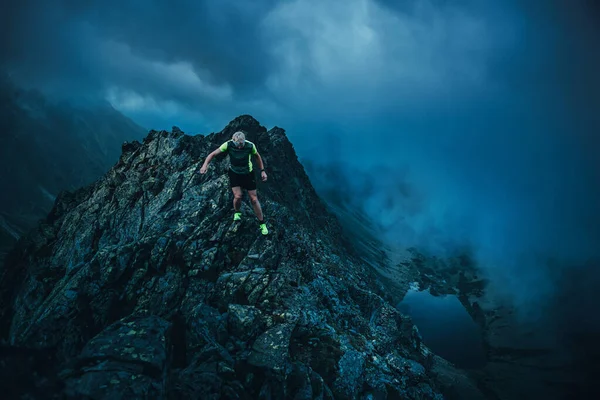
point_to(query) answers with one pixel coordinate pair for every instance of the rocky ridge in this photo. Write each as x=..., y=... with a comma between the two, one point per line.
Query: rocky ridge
x=140, y=285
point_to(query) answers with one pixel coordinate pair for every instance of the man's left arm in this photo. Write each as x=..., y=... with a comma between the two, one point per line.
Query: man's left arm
x=261, y=165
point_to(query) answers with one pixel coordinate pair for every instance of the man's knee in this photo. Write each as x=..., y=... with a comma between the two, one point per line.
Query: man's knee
x=237, y=196
x=253, y=198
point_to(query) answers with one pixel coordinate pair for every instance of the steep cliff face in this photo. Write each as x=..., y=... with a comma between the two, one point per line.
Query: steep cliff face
x=47, y=147
x=142, y=285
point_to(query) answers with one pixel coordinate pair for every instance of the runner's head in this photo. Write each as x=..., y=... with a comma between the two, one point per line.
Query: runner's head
x=239, y=139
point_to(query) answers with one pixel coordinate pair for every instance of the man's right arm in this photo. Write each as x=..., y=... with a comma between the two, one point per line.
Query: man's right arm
x=221, y=149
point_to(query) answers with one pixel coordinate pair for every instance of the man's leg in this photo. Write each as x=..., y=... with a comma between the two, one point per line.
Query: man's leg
x=256, y=205
x=237, y=201
x=236, y=188
x=250, y=186
x=258, y=211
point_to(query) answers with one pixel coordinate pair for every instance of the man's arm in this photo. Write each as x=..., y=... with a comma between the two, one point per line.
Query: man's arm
x=258, y=157
x=260, y=161
x=263, y=174
x=220, y=150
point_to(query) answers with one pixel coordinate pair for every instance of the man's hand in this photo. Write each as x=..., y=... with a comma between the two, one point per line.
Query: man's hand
x=263, y=175
x=203, y=169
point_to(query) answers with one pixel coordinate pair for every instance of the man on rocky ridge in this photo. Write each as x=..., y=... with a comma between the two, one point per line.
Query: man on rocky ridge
x=241, y=174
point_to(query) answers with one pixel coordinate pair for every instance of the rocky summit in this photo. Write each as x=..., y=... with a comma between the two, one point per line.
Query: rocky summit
x=141, y=285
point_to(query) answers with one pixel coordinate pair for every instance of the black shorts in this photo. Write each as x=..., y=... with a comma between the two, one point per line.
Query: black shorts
x=245, y=181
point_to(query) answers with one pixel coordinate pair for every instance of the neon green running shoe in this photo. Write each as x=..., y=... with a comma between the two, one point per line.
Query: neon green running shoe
x=263, y=229
x=237, y=216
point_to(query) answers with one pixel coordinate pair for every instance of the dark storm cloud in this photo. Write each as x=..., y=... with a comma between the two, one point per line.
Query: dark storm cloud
x=222, y=39
x=323, y=58
x=149, y=56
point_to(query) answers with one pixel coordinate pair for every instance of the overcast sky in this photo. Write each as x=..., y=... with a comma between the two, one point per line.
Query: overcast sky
x=456, y=121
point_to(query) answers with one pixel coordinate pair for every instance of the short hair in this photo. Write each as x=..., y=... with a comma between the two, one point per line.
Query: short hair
x=238, y=136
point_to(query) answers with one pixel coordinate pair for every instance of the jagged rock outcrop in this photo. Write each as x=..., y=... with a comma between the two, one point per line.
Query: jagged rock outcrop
x=142, y=286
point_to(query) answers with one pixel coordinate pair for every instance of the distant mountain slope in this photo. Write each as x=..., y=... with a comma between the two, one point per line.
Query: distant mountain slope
x=47, y=148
